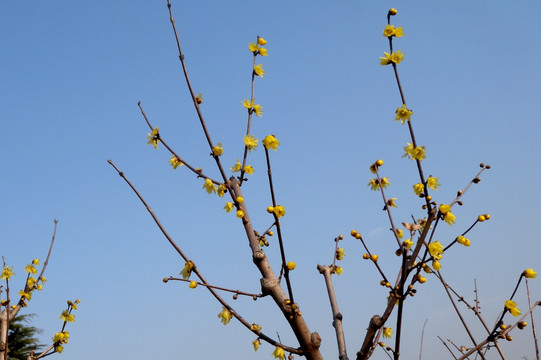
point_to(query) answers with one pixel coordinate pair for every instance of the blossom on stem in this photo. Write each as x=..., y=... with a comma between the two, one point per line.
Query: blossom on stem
x=278, y=353
x=340, y=254
x=375, y=184
x=256, y=344
x=225, y=316
x=435, y=249
x=250, y=142
x=153, y=137
x=236, y=167
x=253, y=47
x=209, y=186
x=387, y=332
x=175, y=162
x=391, y=202
x=392, y=58
x=279, y=211
x=67, y=317
x=187, y=270
x=221, y=190
x=263, y=51
x=218, y=150
x=228, y=206
x=512, y=307
x=432, y=183
x=7, y=272
x=259, y=71
x=418, y=189
x=414, y=153
x=403, y=114
x=391, y=31
x=248, y=169
x=199, y=98
x=270, y=142
x=261, y=41
x=408, y=243
x=463, y=240
x=30, y=269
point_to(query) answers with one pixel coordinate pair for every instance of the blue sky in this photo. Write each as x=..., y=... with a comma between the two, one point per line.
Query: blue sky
x=71, y=76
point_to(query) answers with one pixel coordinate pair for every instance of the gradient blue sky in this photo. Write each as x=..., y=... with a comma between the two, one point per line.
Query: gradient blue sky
x=73, y=71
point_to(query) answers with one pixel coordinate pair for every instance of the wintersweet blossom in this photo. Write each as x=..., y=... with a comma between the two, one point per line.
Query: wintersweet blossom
x=248, y=169
x=256, y=344
x=391, y=31
x=225, y=316
x=253, y=47
x=261, y=41
x=259, y=71
x=408, y=243
x=250, y=142
x=236, y=167
x=529, y=273
x=338, y=270
x=435, y=249
x=432, y=183
x=228, y=206
x=436, y=265
x=199, y=98
x=418, y=189
x=218, y=150
x=449, y=218
x=512, y=307
x=392, y=58
x=391, y=202
x=30, y=269
x=209, y=186
x=270, y=142
x=153, y=137
x=25, y=295
x=258, y=110
x=7, y=272
x=403, y=114
x=375, y=184
x=278, y=353
x=263, y=51
x=463, y=240
x=187, y=270
x=240, y=214
x=66, y=316
x=387, y=332
x=175, y=162
x=414, y=153
x=291, y=265
x=340, y=254
x=255, y=327
x=279, y=210
x=221, y=190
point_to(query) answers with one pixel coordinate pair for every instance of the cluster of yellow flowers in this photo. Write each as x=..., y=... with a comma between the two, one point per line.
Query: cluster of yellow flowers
x=61, y=338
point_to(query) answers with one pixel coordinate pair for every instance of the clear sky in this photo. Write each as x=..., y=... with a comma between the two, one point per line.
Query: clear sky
x=70, y=77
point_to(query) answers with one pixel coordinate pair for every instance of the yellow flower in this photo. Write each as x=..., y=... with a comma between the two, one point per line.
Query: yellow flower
x=7, y=272
x=261, y=41
x=240, y=214
x=270, y=142
x=512, y=307
x=258, y=70
x=432, y=183
x=449, y=218
x=279, y=210
x=263, y=52
x=340, y=254
x=337, y=270
x=435, y=249
x=240, y=199
x=153, y=137
x=257, y=110
x=255, y=327
x=403, y=114
x=391, y=202
x=35, y=262
x=236, y=167
x=387, y=332
x=436, y=265
x=394, y=57
x=444, y=208
x=59, y=349
x=256, y=344
x=61, y=337
x=250, y=142
x=399, y=233
x=253, y=47
x=414, y=153
x=25, y=295
x=225, y=316
x=249, y=169
x=199, y=98
x=278, y=353
x=67, y=317
x=209, y=186
x=221, y=190
x=218, y=150
x=248, y=104
x=529, y=273
x=193, y=284
x=375, y=166
x=291, y=265
x=418, y=189
x=30, y=269
x=228, y=206
x=393, y=12
x=175, y=162
x=408, y=243
x=375, y=184
x=187, y=270
x=390, y=31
